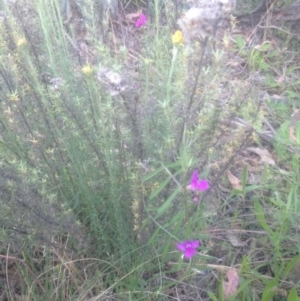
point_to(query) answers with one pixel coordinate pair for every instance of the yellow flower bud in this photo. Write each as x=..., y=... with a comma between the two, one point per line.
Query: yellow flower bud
x=177, y=37
x=21, y=42
x=87, y=70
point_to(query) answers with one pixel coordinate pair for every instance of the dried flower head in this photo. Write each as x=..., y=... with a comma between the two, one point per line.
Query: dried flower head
x=226, y=6
x=56, y=82
x=202, y=21
x=112, y=80
x=14, y=96
x=113, y=77
x=195, y=23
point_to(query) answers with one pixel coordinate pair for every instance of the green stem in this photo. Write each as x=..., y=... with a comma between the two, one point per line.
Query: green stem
x=186, y=209
x=169, y=84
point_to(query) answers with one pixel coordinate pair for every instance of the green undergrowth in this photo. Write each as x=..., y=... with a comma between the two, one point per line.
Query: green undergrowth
x=103, y=124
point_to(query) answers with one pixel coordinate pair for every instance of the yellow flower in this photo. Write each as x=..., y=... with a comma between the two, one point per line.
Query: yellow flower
x=147, y=61
x=177, y=37
x=87, y=70
x=21, y=42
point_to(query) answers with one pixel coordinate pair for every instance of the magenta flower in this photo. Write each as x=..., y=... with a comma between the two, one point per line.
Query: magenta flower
x=197, y=184
x=141, y=21
x=188, y=248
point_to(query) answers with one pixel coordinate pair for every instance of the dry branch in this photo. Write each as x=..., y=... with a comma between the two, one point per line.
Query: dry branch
x=288, y=15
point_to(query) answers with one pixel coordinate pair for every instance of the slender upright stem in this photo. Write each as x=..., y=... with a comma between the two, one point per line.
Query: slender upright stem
x=186, y=209
x=192, y=96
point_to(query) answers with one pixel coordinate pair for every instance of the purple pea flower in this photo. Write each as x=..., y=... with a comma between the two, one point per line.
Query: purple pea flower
x=188, y=248
x=142, y=20
x=197, y=184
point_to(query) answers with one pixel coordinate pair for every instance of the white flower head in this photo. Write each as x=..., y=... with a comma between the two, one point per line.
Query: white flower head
x=112, y=80
x=113, y=77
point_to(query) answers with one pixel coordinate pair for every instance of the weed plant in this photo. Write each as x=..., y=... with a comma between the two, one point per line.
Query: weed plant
x=102, y=126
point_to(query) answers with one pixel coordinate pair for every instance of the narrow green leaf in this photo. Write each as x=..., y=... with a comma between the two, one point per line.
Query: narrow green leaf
x=212, y=296
x=160, y=188
x=175, y=164
x=177, y=217
x=277, y=200
x=293, y=296
x=273, y=53
x=165, y=206
x=152, y=174
x=179, y=222
x=240, y=42
x=244, y=176
x=290, y=265
x=145, y=223
x=260, y=216
x=166, y=248
x=290, y=200
x=296, y=200
x=269, y=290
x=265, y=47
x=153, y=236
x=242, y=288
x=251, y=188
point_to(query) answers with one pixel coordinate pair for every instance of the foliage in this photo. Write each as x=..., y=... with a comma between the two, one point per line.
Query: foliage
x=117, y=141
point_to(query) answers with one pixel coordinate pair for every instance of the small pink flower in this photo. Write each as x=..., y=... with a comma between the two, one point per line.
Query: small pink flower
x=196, y=198
x=280, y=79
x=141, y=21
x=197, y=184
x=188, y=248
